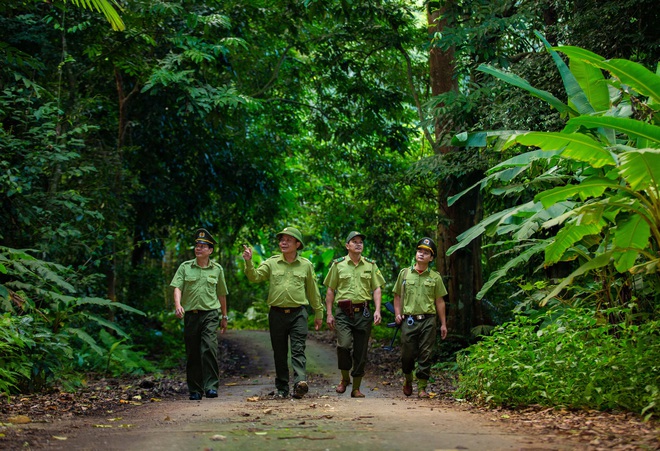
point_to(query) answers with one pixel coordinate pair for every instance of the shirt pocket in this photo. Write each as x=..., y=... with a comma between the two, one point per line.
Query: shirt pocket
x=211, y=285
x=277, y=277
x=192, y=277
x=410, y=285
x=298, y=280
x=429, y=287
x=365, y=283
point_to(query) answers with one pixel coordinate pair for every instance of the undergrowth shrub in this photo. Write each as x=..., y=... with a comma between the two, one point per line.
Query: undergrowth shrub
x=572, y=359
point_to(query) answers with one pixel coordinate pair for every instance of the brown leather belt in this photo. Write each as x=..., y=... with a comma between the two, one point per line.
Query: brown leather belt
x=287, y=309
x=357, y=308
x=420, y=317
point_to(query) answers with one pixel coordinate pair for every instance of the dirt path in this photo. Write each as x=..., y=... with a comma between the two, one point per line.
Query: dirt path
x=243, y=418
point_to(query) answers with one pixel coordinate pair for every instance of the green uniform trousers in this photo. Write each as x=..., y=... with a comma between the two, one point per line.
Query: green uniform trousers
x=200, y=332
x=352, y=341
x=417, y=342
x=288, y=325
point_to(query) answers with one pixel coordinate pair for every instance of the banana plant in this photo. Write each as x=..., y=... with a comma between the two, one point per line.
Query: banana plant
x=601, y=186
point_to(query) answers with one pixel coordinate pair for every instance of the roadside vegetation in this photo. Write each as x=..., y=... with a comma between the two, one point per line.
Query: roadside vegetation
x=523, y=136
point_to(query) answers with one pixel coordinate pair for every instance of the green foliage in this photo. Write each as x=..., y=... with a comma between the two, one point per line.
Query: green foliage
x=600, y=182
x=13, y=367
x=50, y=329
x=107, y=7
x=568, y=358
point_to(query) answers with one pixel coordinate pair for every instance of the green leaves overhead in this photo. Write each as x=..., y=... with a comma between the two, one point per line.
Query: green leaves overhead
x=107, y=7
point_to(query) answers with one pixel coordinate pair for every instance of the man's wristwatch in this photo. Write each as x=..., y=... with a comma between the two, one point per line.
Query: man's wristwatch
x=224, y=317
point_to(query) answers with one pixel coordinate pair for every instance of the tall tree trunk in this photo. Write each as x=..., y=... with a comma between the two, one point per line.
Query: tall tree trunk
x=462, y=269
x=123, y=123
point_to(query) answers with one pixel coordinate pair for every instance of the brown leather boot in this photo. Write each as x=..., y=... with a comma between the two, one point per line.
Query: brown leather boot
x=407, y=388
x=356, y=394
x=341, y=387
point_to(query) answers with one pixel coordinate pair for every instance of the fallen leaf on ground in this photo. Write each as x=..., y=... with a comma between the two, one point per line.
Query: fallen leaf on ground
x=218, y=438
x=253, y=399
x=19, y=419
x=56, y=437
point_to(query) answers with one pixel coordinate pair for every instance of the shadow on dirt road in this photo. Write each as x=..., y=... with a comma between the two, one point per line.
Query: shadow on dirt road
x=243, y=418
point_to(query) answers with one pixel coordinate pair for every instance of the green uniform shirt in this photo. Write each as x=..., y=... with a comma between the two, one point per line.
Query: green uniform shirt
x=200, y=287
x=291, y=284
x=354, y=282
x=421, y=290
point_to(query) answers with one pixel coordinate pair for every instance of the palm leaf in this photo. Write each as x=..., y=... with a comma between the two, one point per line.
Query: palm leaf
x=107, y=7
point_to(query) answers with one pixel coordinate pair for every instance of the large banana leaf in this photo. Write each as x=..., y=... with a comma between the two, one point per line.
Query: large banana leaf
x=595, y=263
x=628, y=72
x=631, y=127
x=630, y=237
x=477, y=230
x=522, y=83
x=593, y=84
x=641, y=170
x=521, y=259
x=507, y=170
x=592, y=187
x=576, y=95
x=575, y=146
x=480, y=139
x=567, y=237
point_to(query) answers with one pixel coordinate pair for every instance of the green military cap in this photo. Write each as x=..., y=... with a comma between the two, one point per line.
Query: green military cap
x=203, y=236
x=428, y=243
x=292, y=231
x=353, y=234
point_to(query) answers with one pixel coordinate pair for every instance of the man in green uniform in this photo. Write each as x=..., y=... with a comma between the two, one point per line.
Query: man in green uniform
x=200, y=297
x=418, y=302
x=352, y=282
x=292, y=287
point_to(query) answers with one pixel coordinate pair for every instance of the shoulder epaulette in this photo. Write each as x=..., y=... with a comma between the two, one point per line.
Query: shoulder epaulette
x=369, y=260
x=339, y=260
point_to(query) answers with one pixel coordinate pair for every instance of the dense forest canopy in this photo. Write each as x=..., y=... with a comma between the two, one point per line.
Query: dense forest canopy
x=121, y=134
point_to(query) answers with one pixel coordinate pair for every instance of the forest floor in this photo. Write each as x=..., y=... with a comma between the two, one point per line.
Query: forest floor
x=149, y=412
